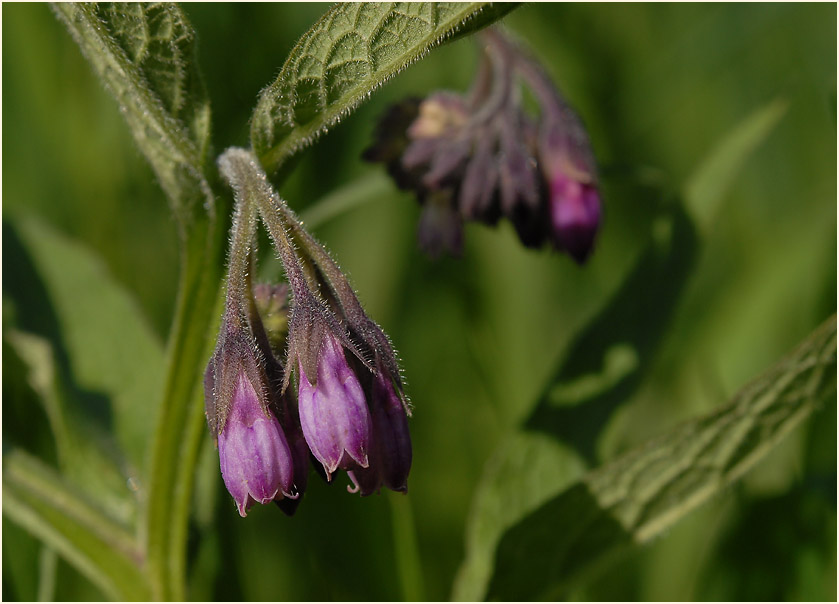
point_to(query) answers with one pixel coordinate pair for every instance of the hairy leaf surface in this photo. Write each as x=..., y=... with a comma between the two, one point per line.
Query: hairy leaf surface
x=640, y=494
x=348, y=53
x=144, y=53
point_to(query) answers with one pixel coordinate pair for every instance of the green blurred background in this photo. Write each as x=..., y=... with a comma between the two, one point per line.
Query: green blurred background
x=659, y=87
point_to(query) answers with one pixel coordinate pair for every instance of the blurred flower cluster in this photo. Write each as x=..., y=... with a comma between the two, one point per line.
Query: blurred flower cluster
x=482, y=156
x=350, y=411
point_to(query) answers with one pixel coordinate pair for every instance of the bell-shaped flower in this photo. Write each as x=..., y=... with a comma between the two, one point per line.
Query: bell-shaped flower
x=333, y=410
x=255, y=459
x=390, y=453
x=574, y=203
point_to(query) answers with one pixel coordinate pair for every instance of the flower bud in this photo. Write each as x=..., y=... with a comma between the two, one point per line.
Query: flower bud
x=575, y=215
x=440, y=227
x=574, y=203
x=254, y=456
x=255, y=459
x=390, y=454
x=272, y=306
x=333, y=410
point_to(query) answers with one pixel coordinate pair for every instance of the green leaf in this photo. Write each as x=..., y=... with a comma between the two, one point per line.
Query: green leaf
x=707, y=186
x=145, y=55
x=600, y=370
x=41, y=501
x=82, y=453
x=525, y=471
x=609, y=358
x=352, y=50
x=111, y=349
x=642, y=493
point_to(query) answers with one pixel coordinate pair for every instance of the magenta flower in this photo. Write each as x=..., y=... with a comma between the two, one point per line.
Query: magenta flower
x=575, y=215
x=255, y=459
x=333, y=410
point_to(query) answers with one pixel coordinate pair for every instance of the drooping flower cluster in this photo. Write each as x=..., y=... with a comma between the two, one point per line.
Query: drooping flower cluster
x=481, y=157
x=350, y=411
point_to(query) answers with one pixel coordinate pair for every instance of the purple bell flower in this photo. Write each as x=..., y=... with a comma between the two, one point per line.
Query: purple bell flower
x=255, y=459
x=390, y=455
x=575, y=215
x=333, y=410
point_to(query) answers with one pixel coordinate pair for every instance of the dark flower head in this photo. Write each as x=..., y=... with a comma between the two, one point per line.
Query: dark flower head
x=481, y=157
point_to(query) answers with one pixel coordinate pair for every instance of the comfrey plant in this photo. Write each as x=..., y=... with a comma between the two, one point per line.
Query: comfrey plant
x=272, y=373
x=350, y=410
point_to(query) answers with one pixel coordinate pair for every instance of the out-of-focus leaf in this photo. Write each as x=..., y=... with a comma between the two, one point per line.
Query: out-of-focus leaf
x=607, y=361
x=602, y=367
x=145, y=54
x=112, y=351
x=636, y=497
x=82, y=456
x=707, y=186
x=41, y=501
x=352, y=50
x=525, y=471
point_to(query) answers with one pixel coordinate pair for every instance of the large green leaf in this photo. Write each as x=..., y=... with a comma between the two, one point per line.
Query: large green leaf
x=40, y=500
x=83, y=453
x=601, y=369
x=639, y=495
x=111, y=350
x=145, y=54
x=352, y=50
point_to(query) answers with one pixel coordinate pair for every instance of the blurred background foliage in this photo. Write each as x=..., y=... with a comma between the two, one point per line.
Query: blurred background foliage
x=660, y=88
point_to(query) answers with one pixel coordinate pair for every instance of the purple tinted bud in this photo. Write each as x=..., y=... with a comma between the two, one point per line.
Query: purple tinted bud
x=333, y=411
x=574, y=203
x=392, y=436
x=575, y=215
x=390, y=458
x=255, y=459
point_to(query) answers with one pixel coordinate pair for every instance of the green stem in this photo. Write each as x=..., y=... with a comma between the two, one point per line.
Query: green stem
x=406, y=549
x=180, y=422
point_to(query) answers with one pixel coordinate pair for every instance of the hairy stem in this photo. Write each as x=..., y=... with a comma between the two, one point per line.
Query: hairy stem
x=181, y=420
